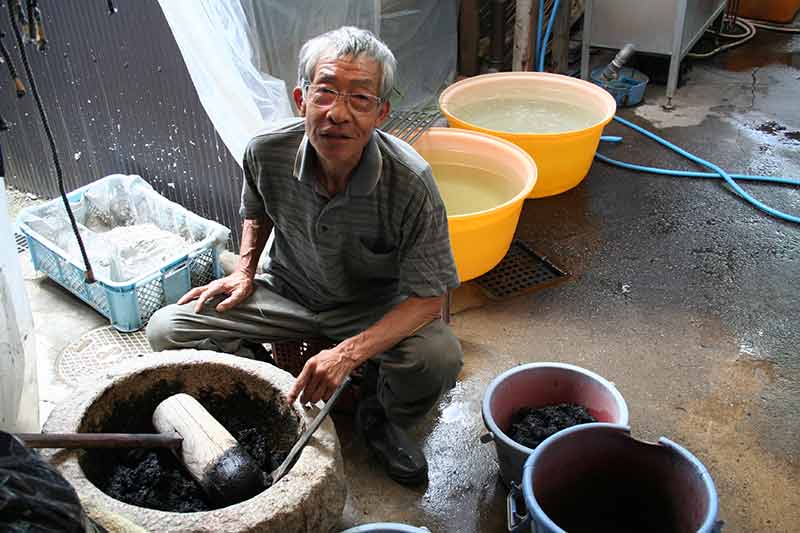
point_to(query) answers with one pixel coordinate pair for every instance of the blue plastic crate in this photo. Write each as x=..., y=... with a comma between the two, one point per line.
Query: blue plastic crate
x=128, y=305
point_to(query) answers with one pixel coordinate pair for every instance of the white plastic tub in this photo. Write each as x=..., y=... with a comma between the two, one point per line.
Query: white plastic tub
x=19, y=394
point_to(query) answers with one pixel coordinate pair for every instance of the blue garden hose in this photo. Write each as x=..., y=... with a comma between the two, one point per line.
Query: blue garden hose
x=542, y=46
x=717, y=171
x=538, y=49
x=685, y=173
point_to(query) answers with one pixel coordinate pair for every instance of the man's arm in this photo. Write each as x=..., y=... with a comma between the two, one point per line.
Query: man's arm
x=238, y=285
x=325, y=371
x=254, y=238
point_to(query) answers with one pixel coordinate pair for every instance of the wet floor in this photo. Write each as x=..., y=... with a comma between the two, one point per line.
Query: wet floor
x=682, y=294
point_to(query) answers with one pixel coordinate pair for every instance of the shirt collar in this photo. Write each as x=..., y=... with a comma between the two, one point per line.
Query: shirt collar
x=363, y=179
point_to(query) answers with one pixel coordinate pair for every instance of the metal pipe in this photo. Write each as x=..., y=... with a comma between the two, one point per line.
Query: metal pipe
x=675, y=59
x=100, y=440
x=522, y=36
x=587, y=38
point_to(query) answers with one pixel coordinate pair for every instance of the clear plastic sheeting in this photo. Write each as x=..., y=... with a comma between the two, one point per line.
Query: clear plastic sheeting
x=424, y=38
x=242, y=54
x=129, y=230
x=215, y=42
x=281, y=27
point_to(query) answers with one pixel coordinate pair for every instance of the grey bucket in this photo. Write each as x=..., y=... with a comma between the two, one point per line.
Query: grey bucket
x=596, y=477
x=537, y=385
x=386, y=527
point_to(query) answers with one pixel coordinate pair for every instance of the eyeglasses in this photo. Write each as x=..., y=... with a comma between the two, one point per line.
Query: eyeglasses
x=322, y=96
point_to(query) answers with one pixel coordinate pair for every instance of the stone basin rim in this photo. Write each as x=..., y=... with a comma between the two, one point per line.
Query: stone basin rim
x=309, y=498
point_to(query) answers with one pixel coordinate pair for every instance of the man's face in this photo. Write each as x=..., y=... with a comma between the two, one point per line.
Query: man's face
x=338, y=132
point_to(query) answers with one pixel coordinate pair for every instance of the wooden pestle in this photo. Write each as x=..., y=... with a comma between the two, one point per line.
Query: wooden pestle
x=225, y=470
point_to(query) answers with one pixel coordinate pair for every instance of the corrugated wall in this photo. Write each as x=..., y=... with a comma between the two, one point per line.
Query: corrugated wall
x=119, y=100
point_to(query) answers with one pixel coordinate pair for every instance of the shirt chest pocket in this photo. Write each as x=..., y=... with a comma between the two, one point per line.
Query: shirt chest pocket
x=376, y=259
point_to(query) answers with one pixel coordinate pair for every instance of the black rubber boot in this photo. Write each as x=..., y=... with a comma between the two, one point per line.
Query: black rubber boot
x=259, y=352
x=402, y=458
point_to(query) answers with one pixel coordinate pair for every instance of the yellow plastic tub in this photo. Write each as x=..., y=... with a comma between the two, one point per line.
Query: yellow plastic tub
x=481, y=239
x=563, y=159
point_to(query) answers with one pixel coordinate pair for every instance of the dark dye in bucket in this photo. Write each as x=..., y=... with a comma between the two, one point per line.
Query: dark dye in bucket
x=612, y=500
x=529, y=426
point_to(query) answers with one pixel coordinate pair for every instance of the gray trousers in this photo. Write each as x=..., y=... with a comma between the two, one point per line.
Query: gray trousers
x=411, y=376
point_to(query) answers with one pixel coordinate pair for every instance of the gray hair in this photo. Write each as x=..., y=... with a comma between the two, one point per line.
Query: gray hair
x=348, y=41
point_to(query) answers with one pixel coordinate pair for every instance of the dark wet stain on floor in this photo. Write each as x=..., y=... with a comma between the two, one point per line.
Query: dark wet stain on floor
x=771, y=127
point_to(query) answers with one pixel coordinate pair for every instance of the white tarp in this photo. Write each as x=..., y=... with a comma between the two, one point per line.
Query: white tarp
x=213, y=39
x=422, y=34
x=280, y=27
x=242, y=54
x=424, y=38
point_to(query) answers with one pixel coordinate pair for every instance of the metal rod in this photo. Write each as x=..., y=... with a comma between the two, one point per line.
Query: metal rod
x=99, y=440
x=675, y=59
x=587, y=39
x=294, y=453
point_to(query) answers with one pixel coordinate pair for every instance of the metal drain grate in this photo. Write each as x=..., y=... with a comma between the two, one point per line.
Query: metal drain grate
x=22, y=242
x=522, y=270
x=409, y=125
x=98, y=350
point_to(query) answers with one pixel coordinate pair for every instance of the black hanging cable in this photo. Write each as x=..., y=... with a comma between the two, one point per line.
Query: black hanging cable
x=11, y=70
x=89, y=275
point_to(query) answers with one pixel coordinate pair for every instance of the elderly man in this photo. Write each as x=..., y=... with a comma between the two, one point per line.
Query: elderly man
x=361, y=253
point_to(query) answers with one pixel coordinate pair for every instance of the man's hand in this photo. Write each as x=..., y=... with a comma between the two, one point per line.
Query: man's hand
x=238, y=286
x=321, y=375
x=326, y=370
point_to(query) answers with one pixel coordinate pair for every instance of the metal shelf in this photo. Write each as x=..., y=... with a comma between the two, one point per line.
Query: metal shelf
x=662, y=27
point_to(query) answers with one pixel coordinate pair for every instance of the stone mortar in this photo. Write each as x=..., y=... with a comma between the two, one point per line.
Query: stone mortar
x=310, y=498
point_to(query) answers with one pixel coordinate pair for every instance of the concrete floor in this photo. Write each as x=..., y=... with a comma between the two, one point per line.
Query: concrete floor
x=681, y=294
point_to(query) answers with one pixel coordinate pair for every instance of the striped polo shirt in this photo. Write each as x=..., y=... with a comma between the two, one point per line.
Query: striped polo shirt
x=385, y=236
